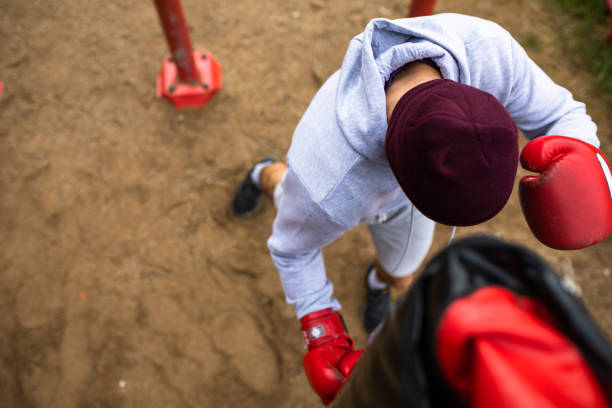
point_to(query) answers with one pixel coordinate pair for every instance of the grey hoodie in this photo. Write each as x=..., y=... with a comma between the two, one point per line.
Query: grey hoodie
x=338, y=173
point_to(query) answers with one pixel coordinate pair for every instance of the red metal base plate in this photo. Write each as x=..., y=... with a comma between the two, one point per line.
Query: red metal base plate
x=186, y=95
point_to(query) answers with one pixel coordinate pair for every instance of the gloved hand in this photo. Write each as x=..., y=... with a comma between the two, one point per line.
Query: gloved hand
x=569, y=205
x=330, y=357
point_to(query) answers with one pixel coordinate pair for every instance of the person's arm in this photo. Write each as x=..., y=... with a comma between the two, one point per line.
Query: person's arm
x=300, y=230
x=568, y=205
x=541, y=107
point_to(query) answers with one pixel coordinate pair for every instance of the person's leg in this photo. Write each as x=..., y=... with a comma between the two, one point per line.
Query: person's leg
x=270, y=176
x=264, y=176
x=397, y=282
x=402, y=241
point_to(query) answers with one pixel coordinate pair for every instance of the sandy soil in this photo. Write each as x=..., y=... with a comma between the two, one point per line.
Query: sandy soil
x=124, y=279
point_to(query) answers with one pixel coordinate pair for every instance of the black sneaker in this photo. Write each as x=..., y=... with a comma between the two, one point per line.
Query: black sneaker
x=248, y=196
x=377, y=304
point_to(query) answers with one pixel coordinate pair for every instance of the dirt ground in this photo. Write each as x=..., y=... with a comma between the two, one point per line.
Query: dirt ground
x=124, y=279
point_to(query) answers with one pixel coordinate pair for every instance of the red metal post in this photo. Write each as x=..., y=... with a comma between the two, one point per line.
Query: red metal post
x=188, y=78
x=420, y=8
x=175, y=28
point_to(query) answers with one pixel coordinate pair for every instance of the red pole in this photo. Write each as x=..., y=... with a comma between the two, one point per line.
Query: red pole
x=420, y=8
x=175, y=28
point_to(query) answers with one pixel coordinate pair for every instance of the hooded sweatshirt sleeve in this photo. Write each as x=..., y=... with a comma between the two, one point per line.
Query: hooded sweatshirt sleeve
x=541, y=107
x=300, y=230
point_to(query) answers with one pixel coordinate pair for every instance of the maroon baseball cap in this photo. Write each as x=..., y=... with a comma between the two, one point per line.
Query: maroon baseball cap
x=454, y=151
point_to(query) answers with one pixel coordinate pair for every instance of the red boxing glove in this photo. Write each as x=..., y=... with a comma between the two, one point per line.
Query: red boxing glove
x=330, y=358
x=569, y=205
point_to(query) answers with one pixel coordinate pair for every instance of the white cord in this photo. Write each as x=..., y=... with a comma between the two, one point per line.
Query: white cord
x=452, y=235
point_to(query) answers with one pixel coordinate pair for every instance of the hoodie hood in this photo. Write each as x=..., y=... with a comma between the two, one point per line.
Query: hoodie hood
x=382, y=48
